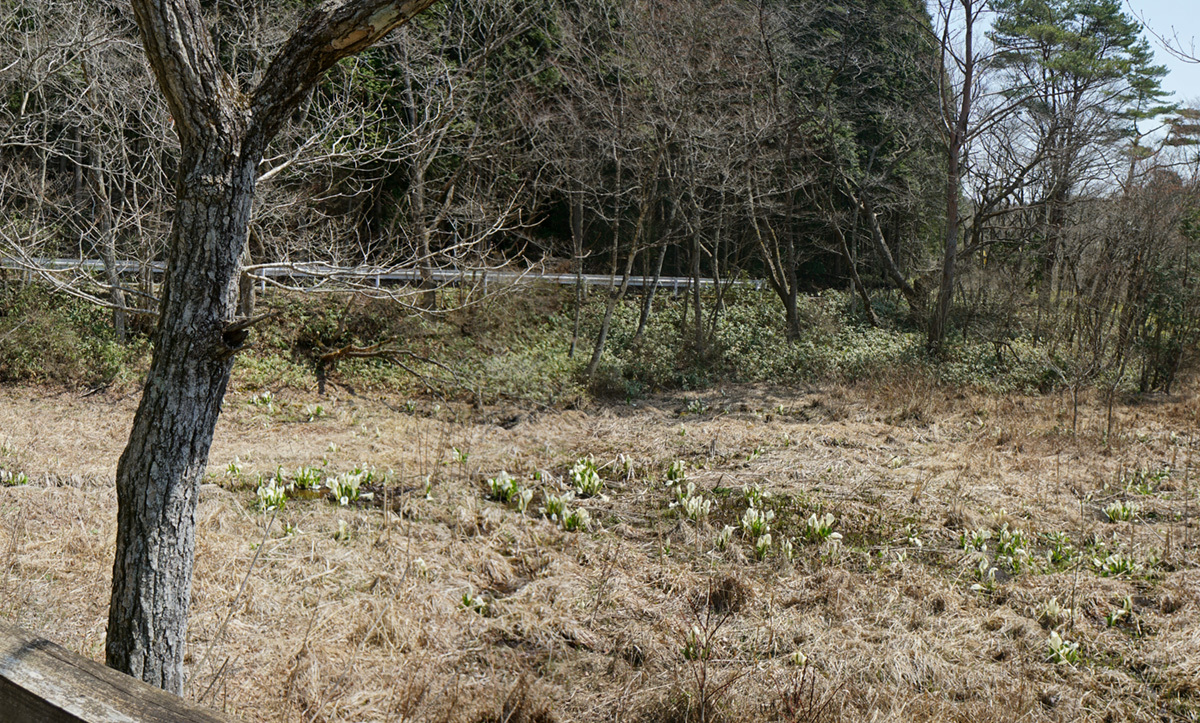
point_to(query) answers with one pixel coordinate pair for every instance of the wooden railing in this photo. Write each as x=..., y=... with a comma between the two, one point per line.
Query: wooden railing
x=41, y=682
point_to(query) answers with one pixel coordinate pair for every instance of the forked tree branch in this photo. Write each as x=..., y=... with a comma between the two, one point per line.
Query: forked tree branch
x=204, y=101
x=333, y=31
x=200, y=94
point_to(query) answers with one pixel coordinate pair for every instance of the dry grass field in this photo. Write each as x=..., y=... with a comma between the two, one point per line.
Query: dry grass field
x=973, y=529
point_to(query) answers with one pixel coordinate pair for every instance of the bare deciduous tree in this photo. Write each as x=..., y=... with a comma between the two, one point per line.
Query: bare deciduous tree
x=224, y=131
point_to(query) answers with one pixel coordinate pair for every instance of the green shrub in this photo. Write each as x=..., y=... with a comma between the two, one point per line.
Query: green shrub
x=47, y=337
x=514, y=346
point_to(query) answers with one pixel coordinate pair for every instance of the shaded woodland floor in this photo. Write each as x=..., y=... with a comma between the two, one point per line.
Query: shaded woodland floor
x=972, y=527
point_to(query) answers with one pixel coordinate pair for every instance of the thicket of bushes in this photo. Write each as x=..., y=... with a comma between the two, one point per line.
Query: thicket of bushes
x=51, y=338
x=515, y=346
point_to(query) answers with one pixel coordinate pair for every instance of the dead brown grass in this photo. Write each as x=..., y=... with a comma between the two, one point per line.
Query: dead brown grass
x=356, y=613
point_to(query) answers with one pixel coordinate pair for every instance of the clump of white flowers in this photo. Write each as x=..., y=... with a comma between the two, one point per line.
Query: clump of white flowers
x=271, y=493
x=13, y=479
x=556, y=506
x=1061, y=551
x=1115, y=565
x=785, y=547
x=762, y=546
x=586, y=478
x=694, y=506
x=576, y=520
x=756, y=522
x=558, y=510
x=1012, y=548
x=307, y=478
x=475, y=603
x=985, y=573
x=1053, y=613
x=505, y=488
x=723, y=537
x=754, y=495
x=1062, y=651
x=976, y=540
x=819, y=529
x=696, y=647
x=1121, y=511
x=345, y=486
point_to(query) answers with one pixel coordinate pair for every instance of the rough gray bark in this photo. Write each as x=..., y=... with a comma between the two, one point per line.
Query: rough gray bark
x=159, y=472
x=222, y=136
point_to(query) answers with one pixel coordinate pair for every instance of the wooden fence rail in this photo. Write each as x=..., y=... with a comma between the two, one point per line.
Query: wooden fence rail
x=41, y=682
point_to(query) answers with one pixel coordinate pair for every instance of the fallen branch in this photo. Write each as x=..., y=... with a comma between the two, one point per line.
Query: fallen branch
x=384, y=350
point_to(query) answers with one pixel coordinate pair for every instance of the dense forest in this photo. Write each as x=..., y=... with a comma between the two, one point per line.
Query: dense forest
x=1009, y=174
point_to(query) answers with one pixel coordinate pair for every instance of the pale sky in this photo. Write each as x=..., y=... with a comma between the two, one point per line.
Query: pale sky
x=1177, y=20
x=1170, y=19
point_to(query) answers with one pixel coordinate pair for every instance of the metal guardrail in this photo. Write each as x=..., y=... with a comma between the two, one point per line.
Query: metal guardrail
x=380, y=275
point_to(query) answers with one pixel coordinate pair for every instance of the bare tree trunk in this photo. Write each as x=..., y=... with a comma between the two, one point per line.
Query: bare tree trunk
x=854, y=277
x=144, y=300
x=107, y=244
x=429, y=298
x=616, y=248
x=648, y=301
x=417, y=195
x=577, y=253
x=108, y=253
x=718, y=304
x=957, y=124
x=791, y=312
x=616, y=294
x=614, y=297
x=222, y=135
x=941, y=311
x=246, y=295
x=916, y=303
x=159, y=473
x=668, y=220
x=699, y=320
x=105, y=222
x=78, y=176
x=781, y=269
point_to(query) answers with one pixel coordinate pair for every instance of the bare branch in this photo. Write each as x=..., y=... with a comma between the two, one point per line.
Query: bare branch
x=332, y=32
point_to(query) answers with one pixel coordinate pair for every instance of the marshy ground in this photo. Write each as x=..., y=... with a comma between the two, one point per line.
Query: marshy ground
x=973, y=529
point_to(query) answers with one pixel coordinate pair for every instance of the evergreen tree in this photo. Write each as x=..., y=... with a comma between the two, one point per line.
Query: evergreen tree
x=1086, y=76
